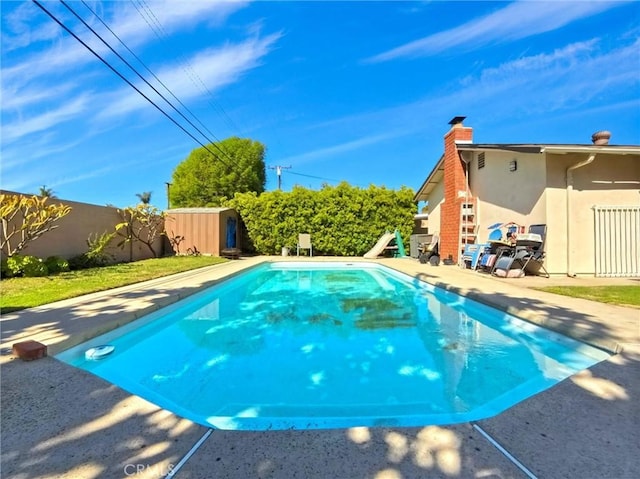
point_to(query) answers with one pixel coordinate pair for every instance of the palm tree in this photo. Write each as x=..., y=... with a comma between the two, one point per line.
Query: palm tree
x=145, y=197
x=46, y=192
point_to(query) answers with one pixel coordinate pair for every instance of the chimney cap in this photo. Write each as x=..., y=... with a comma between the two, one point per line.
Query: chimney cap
x=601, y=137
x=457, y=120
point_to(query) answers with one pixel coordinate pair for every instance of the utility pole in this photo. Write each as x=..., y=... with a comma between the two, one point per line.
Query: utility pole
x=279, y=169
x=168, y=194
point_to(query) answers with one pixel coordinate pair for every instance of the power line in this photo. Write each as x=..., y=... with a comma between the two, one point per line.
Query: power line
x=316, y=177
x=149, y=70
x=120, y=75
x=160, y=32
x=362, y=185
x=147, y=82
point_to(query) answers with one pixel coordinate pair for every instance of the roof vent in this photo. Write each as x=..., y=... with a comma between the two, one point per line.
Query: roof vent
x=601, y=137
x=457, y=120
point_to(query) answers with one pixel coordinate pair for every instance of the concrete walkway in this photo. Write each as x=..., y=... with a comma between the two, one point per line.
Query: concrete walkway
x=58, y=421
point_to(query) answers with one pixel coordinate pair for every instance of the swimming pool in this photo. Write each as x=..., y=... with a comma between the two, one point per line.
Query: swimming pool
x=323, y=345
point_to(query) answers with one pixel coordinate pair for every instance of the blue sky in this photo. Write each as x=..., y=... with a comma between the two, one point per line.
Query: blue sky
x=355, y=91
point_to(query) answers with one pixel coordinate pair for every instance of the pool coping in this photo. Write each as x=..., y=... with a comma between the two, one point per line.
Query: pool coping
x=496, y=295
x=47, y=404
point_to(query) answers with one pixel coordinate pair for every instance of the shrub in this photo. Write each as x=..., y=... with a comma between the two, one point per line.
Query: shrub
x=98, y=244
x=29, y=266
x=33, y=267
x=5, y=272
x=79, y=261
x=343, y=220
x=56, y=264
x=14, y=264
x=97, y=254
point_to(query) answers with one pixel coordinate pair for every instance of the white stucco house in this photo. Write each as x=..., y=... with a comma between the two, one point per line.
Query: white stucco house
x=588, y=195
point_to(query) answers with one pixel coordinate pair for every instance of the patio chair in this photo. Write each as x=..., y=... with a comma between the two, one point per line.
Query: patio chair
x=526, y=257
x=510, y=265
x=304, y=242
x=532, y=247
x=429, y=251
x=494, y=249
x=534, y=264
x=472, y=254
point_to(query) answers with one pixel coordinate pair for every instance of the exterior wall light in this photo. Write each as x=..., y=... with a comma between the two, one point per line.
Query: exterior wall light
x=513, y=165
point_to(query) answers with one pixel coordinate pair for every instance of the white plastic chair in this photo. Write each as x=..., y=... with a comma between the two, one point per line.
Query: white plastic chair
x=304, y=242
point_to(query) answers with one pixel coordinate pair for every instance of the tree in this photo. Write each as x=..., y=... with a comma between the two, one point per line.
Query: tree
x=143, y=223
x=25, y=219
x=206, y=179
x=46, y=192
x=145, y=197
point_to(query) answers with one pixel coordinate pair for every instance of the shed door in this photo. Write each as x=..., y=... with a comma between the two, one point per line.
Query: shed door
x=617, y=241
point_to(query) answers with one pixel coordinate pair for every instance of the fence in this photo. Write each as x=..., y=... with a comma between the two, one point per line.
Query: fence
x=70, y=237
x=617, y=241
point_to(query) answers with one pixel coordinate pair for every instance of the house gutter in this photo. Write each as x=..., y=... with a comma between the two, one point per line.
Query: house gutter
x=570, y=171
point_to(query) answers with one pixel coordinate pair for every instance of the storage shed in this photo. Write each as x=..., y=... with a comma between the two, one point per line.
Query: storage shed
x=203, y=230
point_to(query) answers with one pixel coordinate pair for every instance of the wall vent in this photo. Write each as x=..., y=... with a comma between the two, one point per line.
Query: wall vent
x=481, y=160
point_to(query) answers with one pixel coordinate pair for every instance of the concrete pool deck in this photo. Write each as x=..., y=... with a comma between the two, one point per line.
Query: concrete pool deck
x=58, y=421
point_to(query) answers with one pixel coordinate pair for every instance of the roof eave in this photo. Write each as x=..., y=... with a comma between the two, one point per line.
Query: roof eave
x=609, y=149
x=557, y=149
x=500, y=147
x=422, y=191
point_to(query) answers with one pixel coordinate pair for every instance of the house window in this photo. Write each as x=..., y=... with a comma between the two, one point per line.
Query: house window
x=481, y=160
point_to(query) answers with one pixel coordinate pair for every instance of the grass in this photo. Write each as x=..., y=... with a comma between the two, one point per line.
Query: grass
x=21, y=293
x=620, y=295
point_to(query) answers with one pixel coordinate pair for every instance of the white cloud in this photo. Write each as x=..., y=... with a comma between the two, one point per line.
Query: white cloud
x=169, y=15
x=579, y=76
x=166, y=16
x=569, y=76
x=215, y=68
x=41, y=147
x=13, y=98
x=41, y=91
x=44, y=121
x=18, y=32
x=94, y=173
x=330, y=151
x=515, y=21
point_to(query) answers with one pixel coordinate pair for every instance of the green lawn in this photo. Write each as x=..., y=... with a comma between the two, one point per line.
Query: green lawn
x=620, y=295
x=21, y=293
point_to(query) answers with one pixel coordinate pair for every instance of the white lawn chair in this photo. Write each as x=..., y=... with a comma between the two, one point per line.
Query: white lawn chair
x=304, y=242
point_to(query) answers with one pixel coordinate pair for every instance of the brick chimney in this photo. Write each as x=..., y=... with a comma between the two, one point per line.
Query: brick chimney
x=455, y=186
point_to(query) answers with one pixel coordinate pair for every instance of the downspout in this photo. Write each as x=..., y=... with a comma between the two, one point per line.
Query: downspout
x=463, y=219
x=570, y=170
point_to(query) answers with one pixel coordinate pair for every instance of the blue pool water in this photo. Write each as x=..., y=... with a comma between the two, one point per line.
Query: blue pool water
x=309, y=345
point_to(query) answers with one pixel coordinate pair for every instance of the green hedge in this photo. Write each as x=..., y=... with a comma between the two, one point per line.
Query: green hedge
x=342, y=220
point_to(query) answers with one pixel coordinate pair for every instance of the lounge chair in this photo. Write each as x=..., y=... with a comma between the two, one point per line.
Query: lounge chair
x=493, y=250
x=472, y=254
x=526, y=257
x=533, y=244
x=304, y=242
x=509, y=266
